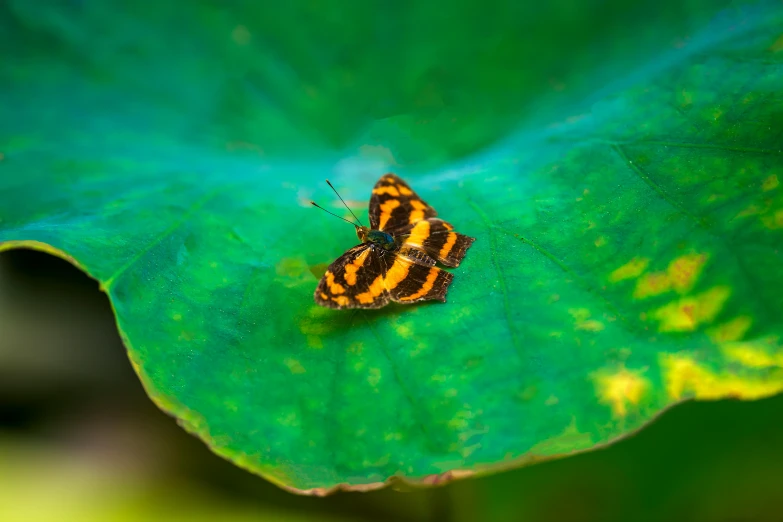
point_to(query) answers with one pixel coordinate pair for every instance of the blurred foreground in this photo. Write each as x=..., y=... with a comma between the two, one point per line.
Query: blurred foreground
x=79, y=440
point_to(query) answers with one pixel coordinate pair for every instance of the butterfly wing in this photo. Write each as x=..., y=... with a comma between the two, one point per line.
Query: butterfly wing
x=394, y=207
x=412, y=276
x=354, y=280
x=438, y=239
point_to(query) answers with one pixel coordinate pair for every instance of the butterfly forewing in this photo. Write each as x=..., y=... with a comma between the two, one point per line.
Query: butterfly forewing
x=394, y=207
x=354, y=280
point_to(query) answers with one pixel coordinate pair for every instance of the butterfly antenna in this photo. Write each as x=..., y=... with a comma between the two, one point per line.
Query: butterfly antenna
x=344, y=203
x=332, y=213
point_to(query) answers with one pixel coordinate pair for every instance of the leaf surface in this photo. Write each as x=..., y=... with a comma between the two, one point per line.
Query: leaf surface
x=628, y=225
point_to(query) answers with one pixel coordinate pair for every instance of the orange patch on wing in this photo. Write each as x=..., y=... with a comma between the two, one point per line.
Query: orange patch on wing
x=386, y=211
x=405, y=191
x=335, y=288
x=353, y=267
x=397, y=272
x=375, y=289
x=418, y=212
x=426, y=287
x=450, y=241
x=419, y=233
x=390, y=190
x=341, y=300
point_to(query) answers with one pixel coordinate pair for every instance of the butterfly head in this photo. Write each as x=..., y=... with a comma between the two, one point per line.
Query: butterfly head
x=365, y=234
x=362, y=232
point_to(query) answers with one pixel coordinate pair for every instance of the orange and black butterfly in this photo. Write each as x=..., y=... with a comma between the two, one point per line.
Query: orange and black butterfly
x=397, y=255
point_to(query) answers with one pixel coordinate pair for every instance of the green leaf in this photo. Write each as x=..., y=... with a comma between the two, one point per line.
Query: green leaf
x=623, y=184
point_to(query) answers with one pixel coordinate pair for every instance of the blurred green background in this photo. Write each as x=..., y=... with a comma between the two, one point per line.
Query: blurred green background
x=79, y=440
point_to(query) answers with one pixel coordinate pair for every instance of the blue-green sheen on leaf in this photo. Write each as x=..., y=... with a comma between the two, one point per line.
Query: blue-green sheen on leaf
x=628, y=225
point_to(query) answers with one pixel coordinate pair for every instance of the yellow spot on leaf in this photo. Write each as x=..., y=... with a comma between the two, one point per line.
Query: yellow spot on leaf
x=777, y=46
x=601, y=241
x=590, y=326
x=403, y=330
x=681, y=275
x=732, y=330
x=652, y=284
x=579, y=314
x=685, y=270
x=687, y=313
x=583, y=322
x=460, y=420
x=630, y=270
x=294, y=271
x=770, y=183
x=373, y=376
x=750, y=210
x=682, y=375
x=621, y=389
x=753, y=355
x=773, y=221
x=551, y=400
x=177, y=317
x=294, y=366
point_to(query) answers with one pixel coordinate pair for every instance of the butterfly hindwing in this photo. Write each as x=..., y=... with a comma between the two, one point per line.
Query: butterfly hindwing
x=394, y=206
x=438, y=239
x=412, y=276
x=354, y=280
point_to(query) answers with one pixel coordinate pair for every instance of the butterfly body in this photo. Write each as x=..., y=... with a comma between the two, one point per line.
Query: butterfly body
x=377, y=238
x=397, y=255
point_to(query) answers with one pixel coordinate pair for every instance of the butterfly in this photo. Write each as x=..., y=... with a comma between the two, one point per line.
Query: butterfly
x=397, y=255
